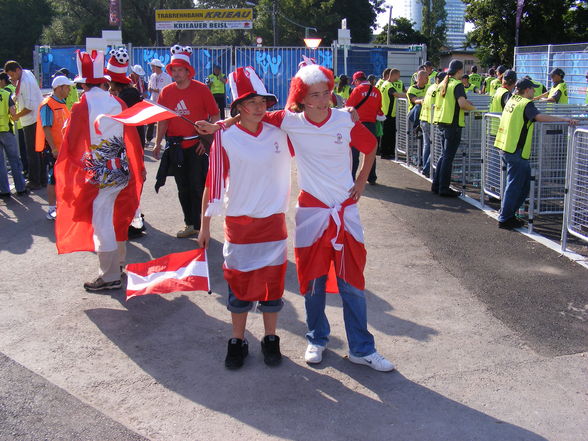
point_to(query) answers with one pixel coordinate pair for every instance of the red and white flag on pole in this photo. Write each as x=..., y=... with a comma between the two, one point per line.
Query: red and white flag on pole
x=143, y=113
x=186, y=271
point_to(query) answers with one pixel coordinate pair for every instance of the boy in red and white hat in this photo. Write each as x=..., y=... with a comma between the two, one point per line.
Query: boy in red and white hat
x=194, y=101
x=99, y=176
x=329, y=246
x=253, y=158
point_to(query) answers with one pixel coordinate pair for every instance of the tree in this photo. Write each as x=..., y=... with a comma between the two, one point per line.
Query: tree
x=19, y=40
x=401, y=32
x=434, y=28
x=542, y=22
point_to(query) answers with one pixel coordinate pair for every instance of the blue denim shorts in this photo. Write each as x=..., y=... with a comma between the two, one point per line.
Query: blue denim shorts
x=239, y=306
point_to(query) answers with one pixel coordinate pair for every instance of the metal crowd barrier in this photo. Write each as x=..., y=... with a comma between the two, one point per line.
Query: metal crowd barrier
x=408, y=145
x=548, y=164
x=575, y=218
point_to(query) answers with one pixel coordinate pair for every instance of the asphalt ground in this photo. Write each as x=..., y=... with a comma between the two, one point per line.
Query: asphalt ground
x=488, y=330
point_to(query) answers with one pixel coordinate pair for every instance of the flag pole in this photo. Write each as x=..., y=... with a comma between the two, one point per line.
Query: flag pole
x=170, y=110
x=207, y=272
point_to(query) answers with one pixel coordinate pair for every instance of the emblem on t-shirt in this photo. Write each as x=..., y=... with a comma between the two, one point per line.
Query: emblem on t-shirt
x=277, y=147
x=339, y=139
x=181, y=108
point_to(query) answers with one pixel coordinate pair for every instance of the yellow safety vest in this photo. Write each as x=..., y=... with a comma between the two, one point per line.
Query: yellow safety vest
x=216, y=85
x=470, y=88
x=344, y=93
x=496, y=102
x=563, y=87
x=419, y=93
x=428, y=103
x=513, y=129
x=476, y=79
x=73, y=97
x=389, y=104
x=4, y=110
x=446, y=106
x=494, y=85
x=487, y=82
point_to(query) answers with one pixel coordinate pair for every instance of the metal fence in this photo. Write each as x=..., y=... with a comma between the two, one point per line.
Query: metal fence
x=538, y=61
x=575, y=219
x=407, y=141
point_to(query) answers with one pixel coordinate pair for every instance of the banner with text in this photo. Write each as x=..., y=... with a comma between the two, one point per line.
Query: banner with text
x=201, y=19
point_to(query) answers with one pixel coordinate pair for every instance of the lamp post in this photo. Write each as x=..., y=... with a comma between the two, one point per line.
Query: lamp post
x=389, y=24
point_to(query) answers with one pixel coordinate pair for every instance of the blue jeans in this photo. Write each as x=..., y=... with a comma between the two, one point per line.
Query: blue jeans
x=361, y=342
x=426, y=128
x=518, y=183
x=8, y=146
x=451, y=137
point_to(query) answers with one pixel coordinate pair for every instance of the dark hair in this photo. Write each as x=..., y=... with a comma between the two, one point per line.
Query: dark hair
x=466, y=76
x=491, y=71
x=422, y=67
x=11, y=66
x=474, y=69
x=4, y=77
x=371, y=78
x=394, y=71
x=343, y=81
x=386, y=72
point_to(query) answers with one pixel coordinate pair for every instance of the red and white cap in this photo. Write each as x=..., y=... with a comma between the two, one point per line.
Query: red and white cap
x=306, y=61
x=245, y=83
x=90, y=67
x=118, y=65
x=180, y=57
x=306, y=77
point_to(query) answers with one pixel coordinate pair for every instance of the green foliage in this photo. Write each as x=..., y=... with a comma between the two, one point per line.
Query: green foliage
x=401, y=32
x=543, y=22
x=434, y=28
x=22, y=23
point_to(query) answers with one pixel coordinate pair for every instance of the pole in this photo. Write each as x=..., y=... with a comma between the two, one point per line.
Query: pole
x=389, y=24
x=274, y=21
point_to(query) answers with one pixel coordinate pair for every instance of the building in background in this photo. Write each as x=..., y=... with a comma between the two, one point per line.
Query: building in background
x=411, y=9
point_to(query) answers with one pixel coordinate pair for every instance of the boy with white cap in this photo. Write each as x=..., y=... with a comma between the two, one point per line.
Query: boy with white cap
x=51, y=119
x=157, y=81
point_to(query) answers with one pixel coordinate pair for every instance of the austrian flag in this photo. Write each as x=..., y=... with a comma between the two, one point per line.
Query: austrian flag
x=186, y=271
x=142, y=113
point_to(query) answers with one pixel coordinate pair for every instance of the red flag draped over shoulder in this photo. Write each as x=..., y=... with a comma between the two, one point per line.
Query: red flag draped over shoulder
x=76, y=194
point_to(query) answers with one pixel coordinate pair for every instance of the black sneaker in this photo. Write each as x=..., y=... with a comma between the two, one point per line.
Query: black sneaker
x=511, y=224
x=270, y=347
x=100, y=285
x=135, y=233
x=236, y=352
x=450, y=193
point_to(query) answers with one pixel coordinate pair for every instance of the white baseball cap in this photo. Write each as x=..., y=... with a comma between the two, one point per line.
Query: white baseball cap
x=156, y=62
x=61, y=81
x=138, y=69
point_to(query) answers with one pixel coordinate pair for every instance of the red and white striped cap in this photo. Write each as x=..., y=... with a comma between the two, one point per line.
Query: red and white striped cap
x=245, y=83
x=117, y=66
x=90, y=67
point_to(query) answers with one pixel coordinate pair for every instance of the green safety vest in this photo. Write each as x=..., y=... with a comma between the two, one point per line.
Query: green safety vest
x=379, y=84
x=476, y=79
x=494, y=85
x=419, y=93
x=432, y=77
x=487, y=82
x=513, y=127
x=398, y=85
x=389, y=104
x=563, y=87
x=471, y=88
x=4, y=110
x=216, y=85
x=446, y=106
x=428, y=103
x=15, y=126
x=496, y=102
x=73, y=97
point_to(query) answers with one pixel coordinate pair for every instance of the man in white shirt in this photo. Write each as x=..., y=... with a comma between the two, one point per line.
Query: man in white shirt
x=28, y=97
x=157, y=81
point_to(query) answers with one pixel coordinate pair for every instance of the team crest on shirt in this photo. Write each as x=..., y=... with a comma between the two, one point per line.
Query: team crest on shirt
x=339, y=139
x=106, y=164
x=277, y=147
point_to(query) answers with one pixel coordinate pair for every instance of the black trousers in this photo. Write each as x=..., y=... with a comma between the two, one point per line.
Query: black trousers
x=190, y=179
x=36, y=163
x=388, y=147
x=371, y=126
x=150, y=130
x=221, y=103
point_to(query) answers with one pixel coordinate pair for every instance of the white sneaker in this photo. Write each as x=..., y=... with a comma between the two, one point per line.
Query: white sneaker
x=51, y=213
x=314, y=353
x=375, y=361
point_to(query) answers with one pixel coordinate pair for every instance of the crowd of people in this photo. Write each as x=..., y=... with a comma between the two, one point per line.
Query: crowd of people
x=94, y=169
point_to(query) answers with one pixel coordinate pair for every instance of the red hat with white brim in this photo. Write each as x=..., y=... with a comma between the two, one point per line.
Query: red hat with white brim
x=180, y=58
x=306, y=77
x=245, y=83
x=90, y=67
x=118, y=65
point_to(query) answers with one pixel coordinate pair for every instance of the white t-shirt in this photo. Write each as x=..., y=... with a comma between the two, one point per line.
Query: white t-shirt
x=29, y=97
x=258, y=171
x=323, y=155
x=158, y=82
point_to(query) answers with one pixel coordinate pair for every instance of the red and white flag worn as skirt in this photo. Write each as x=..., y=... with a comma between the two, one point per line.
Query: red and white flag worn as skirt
x=329, y=241
x=255, y=253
